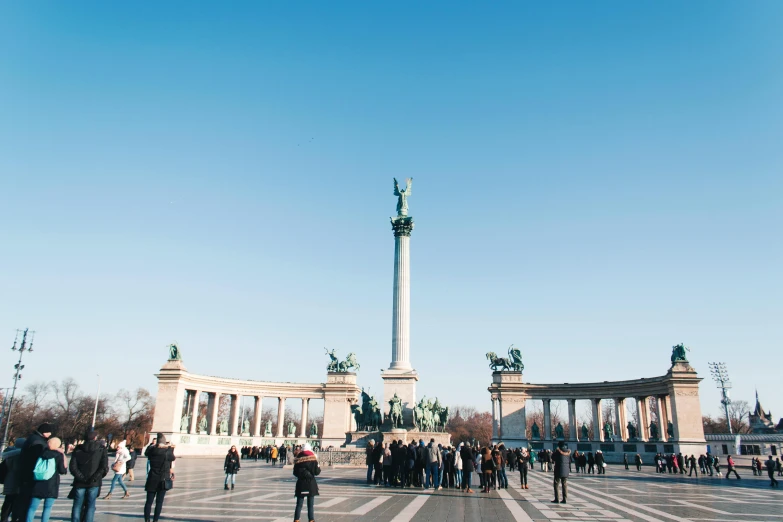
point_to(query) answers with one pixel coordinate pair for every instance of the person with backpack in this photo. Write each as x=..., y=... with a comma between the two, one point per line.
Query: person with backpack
x=11, y=482
x=89, y=464
x=34, y=446
x=47, y=471
x=119, y=469
x=160, y=478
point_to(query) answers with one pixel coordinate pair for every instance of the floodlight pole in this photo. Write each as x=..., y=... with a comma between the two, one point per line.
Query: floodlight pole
x=721, y=377
x=17, y=375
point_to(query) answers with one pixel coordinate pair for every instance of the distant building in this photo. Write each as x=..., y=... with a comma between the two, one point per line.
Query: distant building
x=761, y=422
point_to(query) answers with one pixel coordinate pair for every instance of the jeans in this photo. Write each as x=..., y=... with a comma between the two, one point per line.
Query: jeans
x=502, y=478
x=158, y=497
x=458, y=478
x=466, y=476
x=523, y=475
x=310, y=502
x=47, y=509
x=117, y=478
x=432, y=471
x=440, y=477
x=84, y=494
x=370, y=469
x=232, y=477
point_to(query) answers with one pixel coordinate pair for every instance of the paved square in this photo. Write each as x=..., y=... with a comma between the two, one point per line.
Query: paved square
x=266, y=493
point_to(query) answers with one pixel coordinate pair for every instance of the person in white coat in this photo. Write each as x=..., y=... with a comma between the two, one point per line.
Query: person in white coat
x=119, y=468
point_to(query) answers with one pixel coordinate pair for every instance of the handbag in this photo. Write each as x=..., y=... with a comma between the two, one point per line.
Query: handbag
x=116, y=467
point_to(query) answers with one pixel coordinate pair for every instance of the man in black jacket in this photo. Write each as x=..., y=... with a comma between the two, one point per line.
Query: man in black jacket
x=89, y=464
x=34, y=446
x=560, y=458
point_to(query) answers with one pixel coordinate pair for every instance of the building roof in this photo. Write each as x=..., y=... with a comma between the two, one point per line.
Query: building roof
x=744, y=437
x=759, y=410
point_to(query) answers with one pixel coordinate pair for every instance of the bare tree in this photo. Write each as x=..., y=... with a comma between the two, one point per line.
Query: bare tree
x=66, y=394
x=133, y=405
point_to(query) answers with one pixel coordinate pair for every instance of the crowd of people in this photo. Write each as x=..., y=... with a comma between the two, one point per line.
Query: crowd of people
x=32, y=468
x=269, y=453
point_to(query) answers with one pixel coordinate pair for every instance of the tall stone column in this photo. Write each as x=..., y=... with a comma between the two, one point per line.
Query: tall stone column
x=640, y=403
x=400, y=378
x=257, y=409
x=572, y=420
x=214, y=409
x=194, y=412
x=495, y=420
x=547, y=420
x=622, y=428
x=303, y=428
x=663, y=418
x=233, y=420
x=598, y=432
x=280, y=415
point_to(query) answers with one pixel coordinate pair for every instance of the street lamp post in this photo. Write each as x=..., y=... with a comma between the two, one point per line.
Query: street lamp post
x=23, y=347
x=721, y=377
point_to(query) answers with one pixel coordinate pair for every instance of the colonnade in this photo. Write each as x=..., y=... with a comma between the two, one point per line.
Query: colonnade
x=620, y=426
x=191, y=409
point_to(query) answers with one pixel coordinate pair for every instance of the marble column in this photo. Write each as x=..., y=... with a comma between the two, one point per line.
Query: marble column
x=495, y=420
x=214, y=408
x=572, y=420
x=303, y=428
x=194, y=412
x=547, y=420
x=401, y=315
x=598, y=432
x=233, y=420
x=280, y=415
x=663, y=418
x=640, y=404
x=622, y=430
x=257, y=409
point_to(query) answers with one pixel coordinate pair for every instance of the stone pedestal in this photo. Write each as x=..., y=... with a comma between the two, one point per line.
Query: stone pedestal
x=507, y=389
x=171, y=395
x=403, y=383
x=686, y=409
x=408, y=436
x=340, y=391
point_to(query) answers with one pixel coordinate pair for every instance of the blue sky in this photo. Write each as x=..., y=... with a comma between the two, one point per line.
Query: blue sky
x=594, y=182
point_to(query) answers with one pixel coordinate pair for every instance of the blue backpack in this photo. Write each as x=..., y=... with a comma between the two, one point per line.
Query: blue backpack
x=44, y=469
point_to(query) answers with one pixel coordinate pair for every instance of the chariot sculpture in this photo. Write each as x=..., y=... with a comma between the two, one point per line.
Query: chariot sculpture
x=512, y=363
x=335, y=365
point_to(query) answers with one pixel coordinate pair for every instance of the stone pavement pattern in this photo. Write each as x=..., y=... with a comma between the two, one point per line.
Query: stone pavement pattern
x=266, y=493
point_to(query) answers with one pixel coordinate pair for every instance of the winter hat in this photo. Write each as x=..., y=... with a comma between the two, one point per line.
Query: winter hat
x=45, y=428
x=92, y=435
x=307, y=447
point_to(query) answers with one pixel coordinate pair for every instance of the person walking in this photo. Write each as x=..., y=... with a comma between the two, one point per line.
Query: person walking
x=468, y=460
x=779, y=467
x=523, y=461
x=89, y=464
x=590, y=462
x=119, y=468
x=692, y=466
x=599, y=462
x=458, y=466
x=560, y=459
x=231, y=467
x=625, y=461
x=47, y=488
x=730, y=464
x=638, y=461
x=771, y=472
x=160, y=478
x=305, y=470
x=131, y=464
x=275, y=452
x=11, y=482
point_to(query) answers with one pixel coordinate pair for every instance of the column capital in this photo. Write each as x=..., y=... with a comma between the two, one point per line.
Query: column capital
x=402, y=226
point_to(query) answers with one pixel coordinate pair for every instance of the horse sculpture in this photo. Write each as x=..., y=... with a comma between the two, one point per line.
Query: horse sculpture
x=348, y=363
x=513, y=362
x=395, y=411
